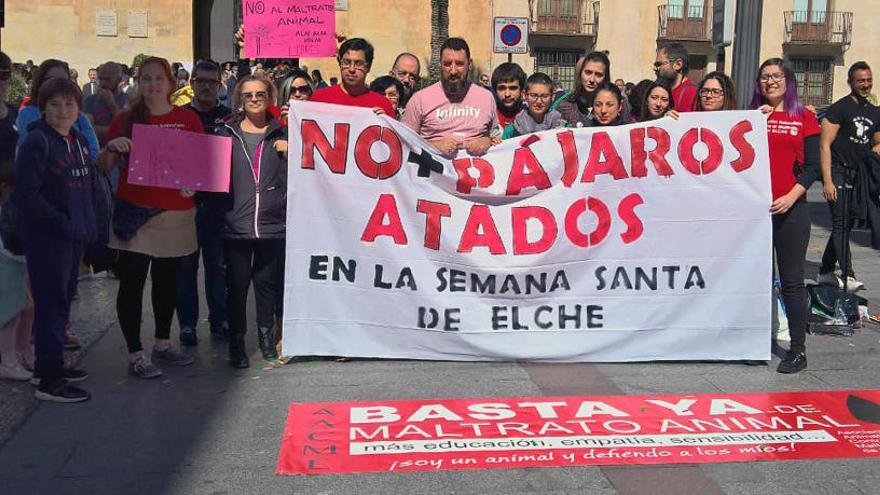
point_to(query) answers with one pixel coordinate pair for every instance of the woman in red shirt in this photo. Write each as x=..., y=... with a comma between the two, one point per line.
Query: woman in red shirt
x=153, y=228
x=793, y=139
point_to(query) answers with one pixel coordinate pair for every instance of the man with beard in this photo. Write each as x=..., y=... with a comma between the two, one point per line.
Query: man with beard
x=407, y=69
x=508, y=81
x=355, y=59
x=109, y=99
x=671, y=66
x=454, y=114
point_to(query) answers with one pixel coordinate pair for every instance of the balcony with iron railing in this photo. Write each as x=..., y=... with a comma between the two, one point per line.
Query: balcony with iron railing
x=818, y=28
x=565, y=17
x=684, y=23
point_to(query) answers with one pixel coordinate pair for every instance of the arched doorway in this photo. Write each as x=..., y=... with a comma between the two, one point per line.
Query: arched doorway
x=214, y=24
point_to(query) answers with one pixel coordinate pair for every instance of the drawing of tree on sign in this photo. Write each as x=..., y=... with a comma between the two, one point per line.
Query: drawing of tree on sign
x=260, y=32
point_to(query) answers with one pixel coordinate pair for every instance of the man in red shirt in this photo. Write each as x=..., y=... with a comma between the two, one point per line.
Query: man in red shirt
x=671, y=66
x=355, y=59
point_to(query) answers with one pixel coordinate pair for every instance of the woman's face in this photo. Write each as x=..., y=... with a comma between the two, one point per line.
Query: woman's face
x=300, y=89
x=61, y=113
x=712, y=96
x=592, y=75
x=772, y=80
x=658, y=102
x=606, y=108
x=154, y=84
x=254, y=98
x=393, y=96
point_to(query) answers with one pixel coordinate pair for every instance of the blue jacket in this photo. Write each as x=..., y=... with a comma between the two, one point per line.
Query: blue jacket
x=30, y=114
x=54, y=187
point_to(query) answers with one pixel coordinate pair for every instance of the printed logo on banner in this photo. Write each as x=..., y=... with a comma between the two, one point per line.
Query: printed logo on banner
x=348, y=437
x=600, y=244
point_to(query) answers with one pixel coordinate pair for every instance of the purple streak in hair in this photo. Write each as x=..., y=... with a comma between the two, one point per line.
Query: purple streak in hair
x=790, y=100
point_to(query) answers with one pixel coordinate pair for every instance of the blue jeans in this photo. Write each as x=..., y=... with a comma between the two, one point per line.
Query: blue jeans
x=215, y=278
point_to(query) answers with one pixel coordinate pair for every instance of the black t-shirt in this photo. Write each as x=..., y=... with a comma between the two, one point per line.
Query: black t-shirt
x=8, y=134
x=212, y=118
x=858, y=123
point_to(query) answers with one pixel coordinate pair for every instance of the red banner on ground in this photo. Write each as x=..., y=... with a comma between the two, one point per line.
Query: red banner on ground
x=434, y=434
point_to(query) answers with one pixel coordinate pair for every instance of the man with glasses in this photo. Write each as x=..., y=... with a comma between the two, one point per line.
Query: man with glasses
x=671, y=66
x=406, y=69
x=205, y=84
x=108, y=101
x=355, y=60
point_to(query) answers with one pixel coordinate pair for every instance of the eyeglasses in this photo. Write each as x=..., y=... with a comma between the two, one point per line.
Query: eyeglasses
x=357, y=64
x=713, y=92
x=402, y=74
x=257, y=96
x=206, y=82
x=306, y=90
x=661, y=63
x=776, y=77
x=537, y=97
x=392, y=96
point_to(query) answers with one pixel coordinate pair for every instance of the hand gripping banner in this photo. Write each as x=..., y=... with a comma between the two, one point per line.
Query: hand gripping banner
x=643, y=242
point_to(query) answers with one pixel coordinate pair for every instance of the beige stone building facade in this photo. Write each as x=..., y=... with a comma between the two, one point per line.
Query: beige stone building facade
x=821, y=38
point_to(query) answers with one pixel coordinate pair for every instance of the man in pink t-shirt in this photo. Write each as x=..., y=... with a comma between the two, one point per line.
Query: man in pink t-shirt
x=454, y=114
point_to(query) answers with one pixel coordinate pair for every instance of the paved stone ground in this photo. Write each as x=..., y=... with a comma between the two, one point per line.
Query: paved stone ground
x=208, y=429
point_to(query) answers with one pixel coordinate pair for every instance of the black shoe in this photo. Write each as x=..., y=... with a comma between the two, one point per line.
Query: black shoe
x=220, y=331
x=267, y=343
x=794, y=362
x=69, y=375
x=237, y=355
x=61, y=391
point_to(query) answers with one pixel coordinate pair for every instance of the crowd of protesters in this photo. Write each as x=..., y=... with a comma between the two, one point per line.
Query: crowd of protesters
x=63, y=170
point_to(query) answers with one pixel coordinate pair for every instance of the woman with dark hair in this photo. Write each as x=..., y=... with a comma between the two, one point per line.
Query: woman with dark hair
x=254, y=215
x=392, y=89
x=296, y=86
x=608, y=108
x=716, y=92
x=593, y=70
x=153, y=228
x=793, y=140
x=318, y=80
x=657, y=102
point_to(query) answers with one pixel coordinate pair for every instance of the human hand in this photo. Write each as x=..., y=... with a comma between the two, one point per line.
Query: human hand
x=830, y=191
x=187, y=193
x=379, y=111
x=478, y=146
x=447, y=146
x=784, y=203
x=281, y=147
x=672, y=114
x=119, y=145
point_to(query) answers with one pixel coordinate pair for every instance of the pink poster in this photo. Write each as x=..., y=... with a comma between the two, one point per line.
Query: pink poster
x=177, y=159
x=289, y=28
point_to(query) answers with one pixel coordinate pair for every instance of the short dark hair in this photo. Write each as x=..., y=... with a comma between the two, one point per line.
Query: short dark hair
x=380, y=84
x=860, y=65
x=611, y=88
x=508, y=72
x=55, y=87
x=539, y=78
x=456, y=45
x=5, y=61
x=357, y=45
x=206, y=66
x=39, y=76
x=677, y=51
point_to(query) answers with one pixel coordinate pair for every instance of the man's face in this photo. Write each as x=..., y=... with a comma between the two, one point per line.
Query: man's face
x=353, y=68
x=665, y=68
x=621, y=84
x=509, y=94
x=406, y=70
x=109, y=77
x=454, y=68
x=206, y=87
x=93, y=75
x=862, y=82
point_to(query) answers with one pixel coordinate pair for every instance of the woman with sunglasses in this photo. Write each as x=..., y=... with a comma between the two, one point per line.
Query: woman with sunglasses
x=254, y=214
x=716, y=92
x=297, y=86
x=793, y=140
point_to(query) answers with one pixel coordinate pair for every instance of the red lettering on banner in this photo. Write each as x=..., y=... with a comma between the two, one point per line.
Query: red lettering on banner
x=313, y=139
x=434, y=212
x=386, y=207
x=626, y=211
x=480, y=220
x=603, y=159
x=686, y=151
x=656, y=155
x=364, y=158
x=579, y=207
x=742, y=145
x=569, y=155
x=526, y=172
x=466, y=181
x=520, y=218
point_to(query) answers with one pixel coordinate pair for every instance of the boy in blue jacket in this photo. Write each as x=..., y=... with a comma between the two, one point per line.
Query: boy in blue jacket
x=54, y=194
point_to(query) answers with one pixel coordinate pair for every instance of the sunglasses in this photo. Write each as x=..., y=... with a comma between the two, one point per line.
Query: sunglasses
x=306, y=90
x=258, y=96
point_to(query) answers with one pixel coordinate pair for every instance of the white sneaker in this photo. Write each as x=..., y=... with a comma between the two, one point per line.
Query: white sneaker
x=830, y=278
x=853, y=284
x=14, y=372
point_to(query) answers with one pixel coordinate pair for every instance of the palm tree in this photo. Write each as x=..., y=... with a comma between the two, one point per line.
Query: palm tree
x=439, y=33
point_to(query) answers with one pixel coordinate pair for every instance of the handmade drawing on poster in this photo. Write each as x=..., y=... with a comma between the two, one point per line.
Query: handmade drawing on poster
x=284, y=29
x=177, y=159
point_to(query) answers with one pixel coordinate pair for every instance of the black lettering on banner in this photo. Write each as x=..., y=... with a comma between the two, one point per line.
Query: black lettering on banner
x=430, y=318
x=426, y=163
x=318, y=267
x=499, y=317
x=341, y=268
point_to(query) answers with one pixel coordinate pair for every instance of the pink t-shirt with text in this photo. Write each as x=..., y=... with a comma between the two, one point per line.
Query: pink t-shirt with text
x=431, y=115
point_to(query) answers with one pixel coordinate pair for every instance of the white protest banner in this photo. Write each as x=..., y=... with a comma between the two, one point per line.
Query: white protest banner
x=642, y=242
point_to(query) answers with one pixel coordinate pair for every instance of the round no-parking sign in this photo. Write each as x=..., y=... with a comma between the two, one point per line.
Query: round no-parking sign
x=511, y=35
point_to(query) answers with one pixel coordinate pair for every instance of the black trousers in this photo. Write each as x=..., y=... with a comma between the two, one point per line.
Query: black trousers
x=791, y=234
x=257, y=261
x=836, y=248
x=132, y=269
